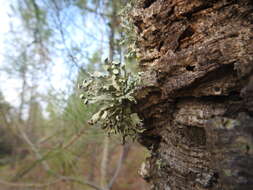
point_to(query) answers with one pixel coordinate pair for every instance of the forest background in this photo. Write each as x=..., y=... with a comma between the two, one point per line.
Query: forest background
x=47, y=48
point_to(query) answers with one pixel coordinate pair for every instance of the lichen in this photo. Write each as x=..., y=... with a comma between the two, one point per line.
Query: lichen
x=113, y=93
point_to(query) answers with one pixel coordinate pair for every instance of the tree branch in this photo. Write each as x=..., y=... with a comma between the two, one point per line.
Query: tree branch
x=61, y=178
x=33, y=148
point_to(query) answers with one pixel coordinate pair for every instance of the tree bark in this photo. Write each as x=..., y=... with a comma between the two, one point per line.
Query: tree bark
x=197, y=96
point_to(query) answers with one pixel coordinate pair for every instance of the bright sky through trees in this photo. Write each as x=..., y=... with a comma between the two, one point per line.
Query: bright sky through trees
x=7, y=88
x=94, y=37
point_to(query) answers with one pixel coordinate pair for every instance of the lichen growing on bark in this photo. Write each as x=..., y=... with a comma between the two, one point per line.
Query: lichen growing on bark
x=113, y=93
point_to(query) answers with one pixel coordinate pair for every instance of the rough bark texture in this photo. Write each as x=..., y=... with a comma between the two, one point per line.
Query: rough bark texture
x=197, y=100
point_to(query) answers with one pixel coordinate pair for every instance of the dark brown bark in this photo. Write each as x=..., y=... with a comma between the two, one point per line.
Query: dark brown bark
x=197, y=100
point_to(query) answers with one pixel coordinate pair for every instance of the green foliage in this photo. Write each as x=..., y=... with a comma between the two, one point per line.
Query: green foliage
x=114, y=95
x=63, y=161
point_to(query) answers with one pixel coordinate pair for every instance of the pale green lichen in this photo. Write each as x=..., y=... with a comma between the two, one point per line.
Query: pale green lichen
x=113, y=93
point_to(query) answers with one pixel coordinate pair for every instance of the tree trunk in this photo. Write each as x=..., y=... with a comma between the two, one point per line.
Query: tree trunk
x=197, y=96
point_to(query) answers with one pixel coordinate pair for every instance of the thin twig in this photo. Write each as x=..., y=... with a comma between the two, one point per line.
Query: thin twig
x=33, y=148
x=29, y=184
x=73, y=139
x=61, y=178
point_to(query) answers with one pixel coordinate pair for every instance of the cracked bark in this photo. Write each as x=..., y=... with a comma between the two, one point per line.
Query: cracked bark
x=197, y=97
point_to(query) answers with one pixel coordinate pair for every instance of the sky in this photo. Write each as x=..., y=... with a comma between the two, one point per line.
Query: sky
x=8, y=86
x=4, y=21
x=59, y=80
x=11, y=86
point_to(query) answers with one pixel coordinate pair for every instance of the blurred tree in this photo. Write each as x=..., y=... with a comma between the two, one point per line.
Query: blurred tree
x=10, y=143
x=53, y=123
